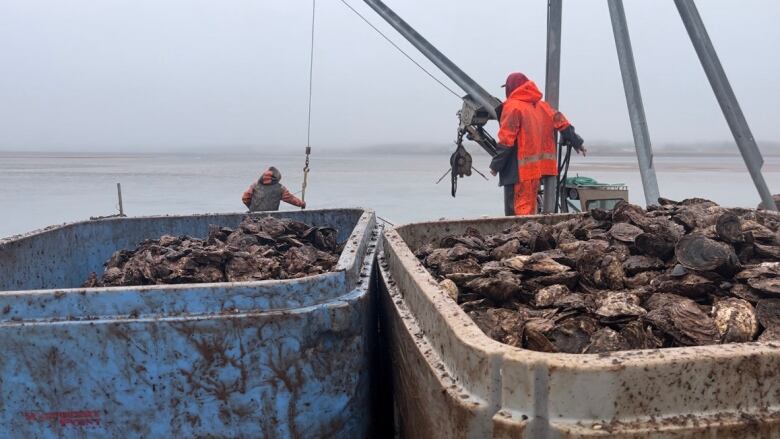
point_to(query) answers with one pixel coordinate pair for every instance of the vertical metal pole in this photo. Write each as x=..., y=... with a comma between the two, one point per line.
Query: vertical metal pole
x=119, y=196
x=552, y=85
x=636, y=109
x=726, y=98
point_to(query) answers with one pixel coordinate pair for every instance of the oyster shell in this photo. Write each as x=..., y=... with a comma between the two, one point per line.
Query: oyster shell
x=736, y=320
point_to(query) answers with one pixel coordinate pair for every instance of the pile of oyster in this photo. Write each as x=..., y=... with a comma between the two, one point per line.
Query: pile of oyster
x=683, y=273
x=258, y=249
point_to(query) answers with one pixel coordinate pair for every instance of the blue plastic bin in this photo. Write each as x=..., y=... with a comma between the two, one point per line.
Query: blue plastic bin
x=285, y=358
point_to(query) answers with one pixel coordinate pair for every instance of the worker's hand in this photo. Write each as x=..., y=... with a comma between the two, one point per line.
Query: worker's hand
x=570, y=137
x=493, y=172
x=582, y=150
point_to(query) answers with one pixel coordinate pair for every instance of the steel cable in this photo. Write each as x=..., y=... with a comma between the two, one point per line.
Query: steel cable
x=311, y=88
x=400, y=50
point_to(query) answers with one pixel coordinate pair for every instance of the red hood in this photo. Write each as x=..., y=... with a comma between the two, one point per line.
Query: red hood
x=513, y=81
x=528, y=92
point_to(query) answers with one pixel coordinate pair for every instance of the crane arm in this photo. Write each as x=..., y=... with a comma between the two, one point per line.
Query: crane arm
x=479, y=105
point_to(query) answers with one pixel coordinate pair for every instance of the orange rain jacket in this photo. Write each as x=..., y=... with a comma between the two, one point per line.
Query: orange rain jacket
x=528, y=122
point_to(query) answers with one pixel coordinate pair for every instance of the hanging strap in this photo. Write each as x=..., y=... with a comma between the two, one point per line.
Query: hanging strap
x=305, y=174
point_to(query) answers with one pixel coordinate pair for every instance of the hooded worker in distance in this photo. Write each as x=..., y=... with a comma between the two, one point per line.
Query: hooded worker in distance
x=266, y=193
x=526, y=149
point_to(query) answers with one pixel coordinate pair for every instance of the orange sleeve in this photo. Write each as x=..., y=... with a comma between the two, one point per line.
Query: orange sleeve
x=509, y=126
x=559, y=120
x=246, y=198
x=289, y=198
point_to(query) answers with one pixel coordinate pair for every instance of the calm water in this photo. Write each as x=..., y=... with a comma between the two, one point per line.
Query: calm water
x=37, y=190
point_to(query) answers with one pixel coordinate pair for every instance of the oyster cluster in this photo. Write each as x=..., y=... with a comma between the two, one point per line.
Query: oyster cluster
x=258, y=249
x=683, y=273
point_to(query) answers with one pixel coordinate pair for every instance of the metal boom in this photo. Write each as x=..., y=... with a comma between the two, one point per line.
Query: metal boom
x=458, y=76
x=479, y=105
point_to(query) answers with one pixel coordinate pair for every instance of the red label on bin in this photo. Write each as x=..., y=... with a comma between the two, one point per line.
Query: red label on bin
x=79, y=418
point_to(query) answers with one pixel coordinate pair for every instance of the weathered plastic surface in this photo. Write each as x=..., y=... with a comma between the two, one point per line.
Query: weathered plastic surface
x=452, y=381
x=253, y=359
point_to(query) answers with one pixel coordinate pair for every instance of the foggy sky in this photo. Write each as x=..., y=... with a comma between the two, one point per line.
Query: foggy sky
x=152, y=75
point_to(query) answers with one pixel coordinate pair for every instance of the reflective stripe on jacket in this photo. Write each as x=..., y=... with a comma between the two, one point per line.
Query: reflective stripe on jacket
x=529, y=122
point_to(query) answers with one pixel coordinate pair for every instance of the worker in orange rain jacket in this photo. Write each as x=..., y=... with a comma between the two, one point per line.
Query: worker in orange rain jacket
x=527, y=150
x=266, y=193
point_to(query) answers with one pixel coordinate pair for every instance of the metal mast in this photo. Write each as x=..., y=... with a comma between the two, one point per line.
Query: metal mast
x=726, y=98
x=636, y=109
x=552, y=84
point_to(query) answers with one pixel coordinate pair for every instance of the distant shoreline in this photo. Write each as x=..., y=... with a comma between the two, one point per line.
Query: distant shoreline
x=596, y=149
x=336, y=153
